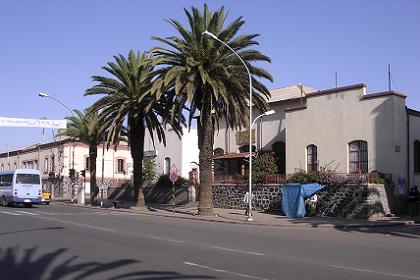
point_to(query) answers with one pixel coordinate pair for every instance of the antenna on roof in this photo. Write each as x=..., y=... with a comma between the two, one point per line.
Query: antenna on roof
x=389, y=77
x=301, y=93
x=336, y=79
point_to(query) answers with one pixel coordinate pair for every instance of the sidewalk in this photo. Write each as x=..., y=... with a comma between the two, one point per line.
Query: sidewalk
x=236, y=216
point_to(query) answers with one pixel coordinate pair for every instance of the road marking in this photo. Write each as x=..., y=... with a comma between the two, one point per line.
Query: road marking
x=166, y=239
x=48, y=213
x=11, y=213
x=76, y=224
x=28, y=213
x=376, y=272
x=225, y=271
x=237, y=251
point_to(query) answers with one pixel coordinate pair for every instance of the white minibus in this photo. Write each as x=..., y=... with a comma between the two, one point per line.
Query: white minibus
x=20, y=186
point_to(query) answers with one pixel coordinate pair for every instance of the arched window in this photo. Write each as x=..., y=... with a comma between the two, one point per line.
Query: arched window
x=417, y=156
x=358, y=157
x=311, y=158
x=167, y=165
x=279, y=149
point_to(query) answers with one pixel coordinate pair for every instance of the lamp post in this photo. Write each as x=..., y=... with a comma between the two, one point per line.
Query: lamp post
x=41, y=94
x=249, y=218
x=7, y=147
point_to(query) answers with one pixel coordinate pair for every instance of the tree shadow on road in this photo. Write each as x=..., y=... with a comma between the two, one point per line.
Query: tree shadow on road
x=393, y=228
x=28, y=264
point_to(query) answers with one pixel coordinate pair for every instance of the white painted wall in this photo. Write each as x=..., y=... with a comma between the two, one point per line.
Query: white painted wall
x=181, y=151
x=331, y=121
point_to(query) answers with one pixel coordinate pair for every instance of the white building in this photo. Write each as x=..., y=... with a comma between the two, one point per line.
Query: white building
x=56, y=158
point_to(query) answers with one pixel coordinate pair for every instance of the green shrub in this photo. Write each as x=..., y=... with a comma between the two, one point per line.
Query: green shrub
x=377, y=178
x=149, y=169
x=165, y=182
x=324, y=175
x=262, y=166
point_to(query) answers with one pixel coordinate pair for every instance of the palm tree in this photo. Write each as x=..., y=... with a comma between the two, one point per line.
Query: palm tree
x=129, y=100
x=86, y=128
x=208, y=78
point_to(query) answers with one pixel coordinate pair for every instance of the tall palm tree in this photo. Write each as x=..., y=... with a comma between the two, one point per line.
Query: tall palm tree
x=208, y=78
x=129, y=100
x=86, y=128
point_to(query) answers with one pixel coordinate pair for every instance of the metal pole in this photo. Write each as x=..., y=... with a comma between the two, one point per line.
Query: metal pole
x=249, y=218
x=103, y=170
x=71, y=111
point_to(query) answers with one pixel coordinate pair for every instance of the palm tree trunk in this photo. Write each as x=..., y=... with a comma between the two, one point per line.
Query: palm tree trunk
x=205, y=145
x=94, y=190
x=136, y=134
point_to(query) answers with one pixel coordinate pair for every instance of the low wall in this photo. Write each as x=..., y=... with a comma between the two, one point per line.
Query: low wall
x=351, y=201
x=183, y=195
x=266, y=197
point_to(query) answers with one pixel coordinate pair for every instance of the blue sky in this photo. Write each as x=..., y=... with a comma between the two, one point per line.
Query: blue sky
x=56, y=46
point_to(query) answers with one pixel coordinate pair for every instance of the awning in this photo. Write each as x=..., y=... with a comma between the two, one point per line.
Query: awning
x=233, y=156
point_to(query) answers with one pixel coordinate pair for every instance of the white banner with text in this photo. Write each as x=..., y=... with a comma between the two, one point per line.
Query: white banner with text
x=14, y=122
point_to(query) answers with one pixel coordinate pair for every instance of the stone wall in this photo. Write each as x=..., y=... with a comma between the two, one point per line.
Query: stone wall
x=266, y=197
x=351, y=201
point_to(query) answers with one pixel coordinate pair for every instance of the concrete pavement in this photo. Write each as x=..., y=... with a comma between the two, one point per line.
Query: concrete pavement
x=236, y=216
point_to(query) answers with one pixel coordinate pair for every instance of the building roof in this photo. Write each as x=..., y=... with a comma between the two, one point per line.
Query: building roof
x=290, y=92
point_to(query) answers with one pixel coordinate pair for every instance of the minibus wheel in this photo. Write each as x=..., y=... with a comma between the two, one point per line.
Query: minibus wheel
x=28, y=205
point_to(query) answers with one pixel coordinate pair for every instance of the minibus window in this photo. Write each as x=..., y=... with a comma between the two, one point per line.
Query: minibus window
x=27, y=179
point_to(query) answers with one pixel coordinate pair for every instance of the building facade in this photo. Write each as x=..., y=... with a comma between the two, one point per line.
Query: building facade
x=351, y=131
x=114, y=166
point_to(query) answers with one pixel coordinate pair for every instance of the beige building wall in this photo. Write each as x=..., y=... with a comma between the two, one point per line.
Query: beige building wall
x=333, y=119
x=414, y=117
x=268, y=129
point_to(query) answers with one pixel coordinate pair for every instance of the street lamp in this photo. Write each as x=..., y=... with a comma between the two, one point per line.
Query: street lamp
x=7, y=147
x=249, y=218
x=41, y=94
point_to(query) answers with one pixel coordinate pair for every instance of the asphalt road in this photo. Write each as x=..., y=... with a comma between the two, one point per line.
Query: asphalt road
x=61, y=242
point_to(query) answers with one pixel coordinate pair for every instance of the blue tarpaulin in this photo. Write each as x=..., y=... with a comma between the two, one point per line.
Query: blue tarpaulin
x=294, y=196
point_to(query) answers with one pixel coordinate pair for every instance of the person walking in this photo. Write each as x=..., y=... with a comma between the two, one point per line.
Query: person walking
x=417, y=200
x=413, y=197
x=246, y=201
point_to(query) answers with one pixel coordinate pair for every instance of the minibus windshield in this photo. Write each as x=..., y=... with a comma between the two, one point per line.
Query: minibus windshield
x=27, y=179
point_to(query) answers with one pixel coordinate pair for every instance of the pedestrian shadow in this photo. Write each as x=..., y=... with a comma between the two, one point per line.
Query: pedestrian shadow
x=17, y=264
